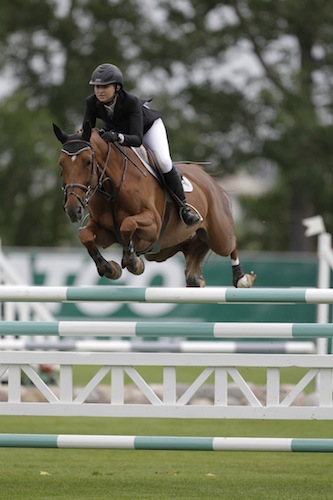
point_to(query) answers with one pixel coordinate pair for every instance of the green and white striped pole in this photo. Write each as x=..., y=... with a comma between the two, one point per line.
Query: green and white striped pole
x=221, y=295
x=167, y=329
x=165, y=443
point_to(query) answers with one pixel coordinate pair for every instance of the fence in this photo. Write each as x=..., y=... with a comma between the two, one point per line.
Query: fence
x=216, y=367
x=167, y=402
x=170, y=401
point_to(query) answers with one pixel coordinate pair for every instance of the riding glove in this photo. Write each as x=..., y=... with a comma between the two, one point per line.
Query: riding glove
x=110, y=136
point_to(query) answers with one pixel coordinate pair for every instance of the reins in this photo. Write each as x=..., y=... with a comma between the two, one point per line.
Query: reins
x=130, y=159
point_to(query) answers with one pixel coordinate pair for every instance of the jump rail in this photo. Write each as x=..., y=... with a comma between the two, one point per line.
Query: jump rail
x=187, y=443
x=166, y=329
x=19, y=293
x=166, y=295
x=170, y=402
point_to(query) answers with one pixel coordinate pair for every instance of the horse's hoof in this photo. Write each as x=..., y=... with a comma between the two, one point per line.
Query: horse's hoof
x=247, y=280
x=129, y=261
x=112, y=271
x=138, y=268
x=195, y=281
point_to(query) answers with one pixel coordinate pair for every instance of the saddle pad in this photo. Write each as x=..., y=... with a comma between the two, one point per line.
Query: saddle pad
x=142, y=154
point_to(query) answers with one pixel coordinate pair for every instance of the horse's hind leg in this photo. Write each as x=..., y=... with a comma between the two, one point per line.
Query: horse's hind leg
x=239, y=278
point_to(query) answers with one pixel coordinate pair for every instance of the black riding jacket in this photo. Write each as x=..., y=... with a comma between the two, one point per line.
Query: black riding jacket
x=131, y=116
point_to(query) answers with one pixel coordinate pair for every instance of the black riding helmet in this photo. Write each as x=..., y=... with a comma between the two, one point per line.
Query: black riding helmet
x=105, y=74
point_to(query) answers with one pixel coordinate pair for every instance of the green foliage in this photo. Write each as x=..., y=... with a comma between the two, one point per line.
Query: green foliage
x=29, y=177
x=271, y=111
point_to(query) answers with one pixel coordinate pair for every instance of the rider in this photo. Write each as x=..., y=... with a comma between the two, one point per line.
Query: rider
x=129, y=121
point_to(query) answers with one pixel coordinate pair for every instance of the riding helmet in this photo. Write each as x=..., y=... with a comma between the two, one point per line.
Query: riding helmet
x=105, y=74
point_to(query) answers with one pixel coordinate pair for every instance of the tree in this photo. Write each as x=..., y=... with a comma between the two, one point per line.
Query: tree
x=29, y=177
x=299, y=125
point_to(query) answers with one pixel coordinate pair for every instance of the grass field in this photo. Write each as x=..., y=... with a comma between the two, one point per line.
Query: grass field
x=120, y=474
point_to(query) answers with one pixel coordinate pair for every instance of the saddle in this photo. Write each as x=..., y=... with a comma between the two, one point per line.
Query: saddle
x=150, y=161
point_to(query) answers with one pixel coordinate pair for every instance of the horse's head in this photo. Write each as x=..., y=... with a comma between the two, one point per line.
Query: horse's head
x=77, y=164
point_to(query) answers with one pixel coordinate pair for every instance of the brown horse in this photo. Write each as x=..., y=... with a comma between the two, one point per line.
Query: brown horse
x=128, y=205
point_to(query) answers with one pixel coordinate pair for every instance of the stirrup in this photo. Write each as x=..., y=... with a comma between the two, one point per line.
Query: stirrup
x=192, y=209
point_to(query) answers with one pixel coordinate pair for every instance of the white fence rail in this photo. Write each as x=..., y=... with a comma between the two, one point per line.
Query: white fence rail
x=167, y=402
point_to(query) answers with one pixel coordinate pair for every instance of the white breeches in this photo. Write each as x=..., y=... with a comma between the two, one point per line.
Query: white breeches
x=156, y=139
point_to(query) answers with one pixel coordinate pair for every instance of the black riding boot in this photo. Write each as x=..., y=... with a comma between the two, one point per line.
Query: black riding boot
x=174, y=183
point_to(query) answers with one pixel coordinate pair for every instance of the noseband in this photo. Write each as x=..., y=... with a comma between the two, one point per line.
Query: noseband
x=73, y=148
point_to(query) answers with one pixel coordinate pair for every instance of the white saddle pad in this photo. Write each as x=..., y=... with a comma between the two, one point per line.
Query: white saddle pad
x=142, y=154
x=187, y=184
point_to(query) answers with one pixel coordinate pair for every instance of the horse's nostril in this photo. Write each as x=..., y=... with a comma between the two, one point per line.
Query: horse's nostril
x=75, y=214
x=80, y=213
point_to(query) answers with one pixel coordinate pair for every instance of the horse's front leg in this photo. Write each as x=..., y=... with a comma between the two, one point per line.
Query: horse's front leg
x=131, y=261
x=89, y=236
x=147, y=227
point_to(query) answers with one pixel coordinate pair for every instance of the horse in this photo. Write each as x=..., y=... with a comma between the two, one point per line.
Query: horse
x=128, y=205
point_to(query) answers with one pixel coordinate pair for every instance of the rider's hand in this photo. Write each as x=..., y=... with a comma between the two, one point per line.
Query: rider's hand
x=110, y=136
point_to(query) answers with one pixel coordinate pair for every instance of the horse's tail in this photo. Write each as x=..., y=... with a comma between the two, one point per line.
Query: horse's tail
x=198, y=251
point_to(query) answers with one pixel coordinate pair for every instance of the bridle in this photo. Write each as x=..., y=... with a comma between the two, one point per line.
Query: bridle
x=73, y=148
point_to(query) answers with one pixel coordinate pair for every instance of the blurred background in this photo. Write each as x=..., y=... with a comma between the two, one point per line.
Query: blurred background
x=245, y=85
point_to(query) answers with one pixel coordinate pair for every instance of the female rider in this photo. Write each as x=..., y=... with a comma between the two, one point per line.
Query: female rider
x=130, y=122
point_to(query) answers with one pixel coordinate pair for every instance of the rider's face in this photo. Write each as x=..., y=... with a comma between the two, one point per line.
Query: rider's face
x=105, y=93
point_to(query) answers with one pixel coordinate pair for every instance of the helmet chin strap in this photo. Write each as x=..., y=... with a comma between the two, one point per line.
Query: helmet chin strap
x=114, y=98
x=109, y=103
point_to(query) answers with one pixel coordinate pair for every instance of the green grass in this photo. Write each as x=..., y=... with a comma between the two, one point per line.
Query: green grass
x=121, y=474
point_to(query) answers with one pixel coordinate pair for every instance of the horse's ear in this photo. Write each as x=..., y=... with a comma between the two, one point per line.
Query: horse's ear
x=61, y=136
x=86, y=132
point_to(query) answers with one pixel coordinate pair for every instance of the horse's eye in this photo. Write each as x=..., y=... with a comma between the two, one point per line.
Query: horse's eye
x=87, y=163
